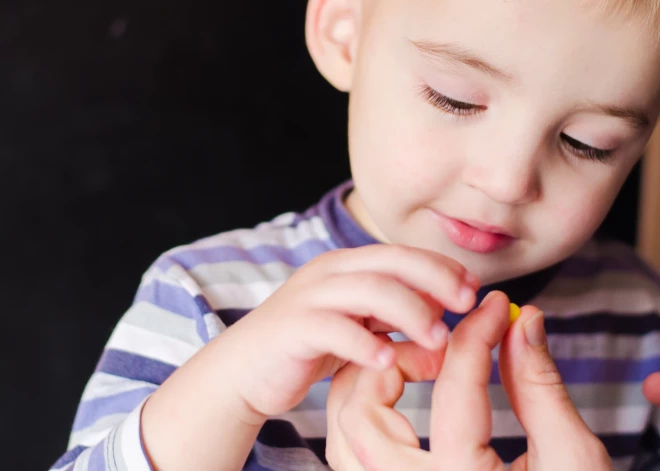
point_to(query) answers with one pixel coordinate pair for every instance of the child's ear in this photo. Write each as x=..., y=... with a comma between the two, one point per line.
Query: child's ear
x=331, y=30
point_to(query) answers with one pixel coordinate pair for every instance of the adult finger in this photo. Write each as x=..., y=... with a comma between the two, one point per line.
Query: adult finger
x=535, y=388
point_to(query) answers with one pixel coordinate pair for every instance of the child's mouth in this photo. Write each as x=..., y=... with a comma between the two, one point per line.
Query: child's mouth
x=481, y=239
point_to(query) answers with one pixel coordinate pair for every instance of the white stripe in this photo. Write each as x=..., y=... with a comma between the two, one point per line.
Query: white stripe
x=264, y=234
x=131, y=451
x=285, y=219
x=184, y=278
x=156, y=274
x=630, y=301
x=96, y=432
x=132, y=339
x=288, y=459
x=241, y=272
x=214, y=326
x=158, y=320
x=611, y=249
x=623, y=464
x=624, y=347
x=632, y=419
x=175, y=275
x=105, y=385
x=238, y=295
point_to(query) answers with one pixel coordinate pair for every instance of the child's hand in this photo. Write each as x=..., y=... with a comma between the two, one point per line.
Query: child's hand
x=364, y=432
x=325, y=315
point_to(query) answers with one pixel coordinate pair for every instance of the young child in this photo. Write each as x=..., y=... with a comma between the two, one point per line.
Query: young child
x=487, y=141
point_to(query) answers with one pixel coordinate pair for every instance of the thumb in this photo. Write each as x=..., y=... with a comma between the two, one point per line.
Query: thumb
x=534, y=386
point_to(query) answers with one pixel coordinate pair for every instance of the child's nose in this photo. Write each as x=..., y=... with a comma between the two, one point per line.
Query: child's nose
x=506, y=181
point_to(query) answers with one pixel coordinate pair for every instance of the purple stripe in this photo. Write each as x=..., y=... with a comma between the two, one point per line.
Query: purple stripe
x=177, y=300
x=172, y=298
x=342, y=227
x=615, y=324
x=123, y=403
x=600, y=323
x=591, y=370
x=508, y=449
x=297, y=219
x=262, y=254
x=230, y=316
x=252, y=464
x=279, y=433
x=579, y=267
x=97, y=459
x=69, y=457
x=135, y=367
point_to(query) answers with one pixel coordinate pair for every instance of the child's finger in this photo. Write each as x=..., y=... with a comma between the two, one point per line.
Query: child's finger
x=378, y=326
x=337, y=450
x=447, y=281
x=461, y=417
x=323, y=333
x=380, y=437
x=370, y=294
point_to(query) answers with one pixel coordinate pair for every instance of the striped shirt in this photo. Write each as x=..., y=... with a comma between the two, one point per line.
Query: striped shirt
x=602, y=318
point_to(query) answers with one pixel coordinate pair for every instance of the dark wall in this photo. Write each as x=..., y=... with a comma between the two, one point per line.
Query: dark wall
x=127, y=128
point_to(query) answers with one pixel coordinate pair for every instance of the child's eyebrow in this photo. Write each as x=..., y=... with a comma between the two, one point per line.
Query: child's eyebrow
x=453, y=53
x=448, y=52
x=635, y=118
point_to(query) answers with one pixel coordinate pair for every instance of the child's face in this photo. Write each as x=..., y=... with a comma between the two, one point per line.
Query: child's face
x=556, y=103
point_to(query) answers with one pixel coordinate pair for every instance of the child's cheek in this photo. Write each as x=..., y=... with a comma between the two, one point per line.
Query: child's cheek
x=576, y=222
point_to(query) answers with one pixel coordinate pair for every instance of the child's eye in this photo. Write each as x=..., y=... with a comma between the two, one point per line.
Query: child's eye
x=582, y=150
x=450, y=105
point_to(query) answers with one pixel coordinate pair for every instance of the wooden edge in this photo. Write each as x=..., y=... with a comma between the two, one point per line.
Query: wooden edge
x=648, y=236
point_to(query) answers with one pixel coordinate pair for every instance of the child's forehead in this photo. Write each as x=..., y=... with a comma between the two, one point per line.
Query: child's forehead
x=645, y=13
x=630, y=25
x=601, y=51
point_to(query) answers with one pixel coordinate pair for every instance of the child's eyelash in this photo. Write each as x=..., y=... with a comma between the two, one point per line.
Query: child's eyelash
x=584, y=151
x=449, y=105
x=461, y=108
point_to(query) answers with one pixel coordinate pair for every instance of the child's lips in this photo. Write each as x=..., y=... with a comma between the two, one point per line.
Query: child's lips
x=474, y=235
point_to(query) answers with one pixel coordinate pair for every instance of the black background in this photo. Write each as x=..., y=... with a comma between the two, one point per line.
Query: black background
x=127, y=128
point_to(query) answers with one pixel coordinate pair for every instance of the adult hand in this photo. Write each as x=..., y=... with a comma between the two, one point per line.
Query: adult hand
x=365, y=432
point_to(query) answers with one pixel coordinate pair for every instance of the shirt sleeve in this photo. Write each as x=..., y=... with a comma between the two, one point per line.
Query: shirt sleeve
x=168, y=322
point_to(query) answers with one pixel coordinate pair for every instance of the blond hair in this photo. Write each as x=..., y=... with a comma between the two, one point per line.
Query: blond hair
x=648, y=11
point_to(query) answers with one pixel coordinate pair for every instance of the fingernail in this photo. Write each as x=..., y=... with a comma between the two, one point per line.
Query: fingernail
x=465, y=294
x=535, y=330
x=471, y=279
x=439, y=333
x=386, y=356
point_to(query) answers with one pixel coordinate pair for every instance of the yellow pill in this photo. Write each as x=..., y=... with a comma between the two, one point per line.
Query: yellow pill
x=514, y=312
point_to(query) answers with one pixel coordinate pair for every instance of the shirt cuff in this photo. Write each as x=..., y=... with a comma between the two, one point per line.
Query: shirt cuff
x=127, y=447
